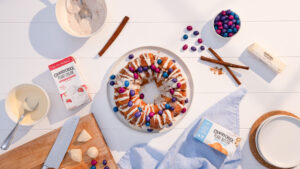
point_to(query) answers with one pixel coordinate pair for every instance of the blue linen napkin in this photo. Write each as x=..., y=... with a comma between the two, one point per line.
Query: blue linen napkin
x=187, y=152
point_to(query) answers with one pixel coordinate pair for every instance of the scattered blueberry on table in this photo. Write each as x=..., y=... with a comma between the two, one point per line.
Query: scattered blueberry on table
x=196, y=33
x=193, y=48
x=185, y=36
x=202, y=47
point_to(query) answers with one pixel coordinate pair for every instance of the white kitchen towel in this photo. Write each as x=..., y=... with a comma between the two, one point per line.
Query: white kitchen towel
x=187, y=152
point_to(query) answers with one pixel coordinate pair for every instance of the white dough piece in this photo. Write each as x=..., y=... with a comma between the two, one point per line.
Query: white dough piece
x=92, y=152
x=84, y=136
x=76, y=155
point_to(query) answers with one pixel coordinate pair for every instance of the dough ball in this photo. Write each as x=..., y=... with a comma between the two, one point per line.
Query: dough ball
x=92, y=152
x=84, y=136
x=75, y=154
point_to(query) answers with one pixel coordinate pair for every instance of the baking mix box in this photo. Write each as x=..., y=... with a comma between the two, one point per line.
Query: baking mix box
x=72, y=90
x=217, y=137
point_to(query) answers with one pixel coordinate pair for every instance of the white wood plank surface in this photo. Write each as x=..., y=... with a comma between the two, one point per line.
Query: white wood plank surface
x=159, y=11
x=31, y=39
x=36, y=40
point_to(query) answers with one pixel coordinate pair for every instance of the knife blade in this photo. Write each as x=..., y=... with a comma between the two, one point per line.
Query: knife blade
x=61, y=144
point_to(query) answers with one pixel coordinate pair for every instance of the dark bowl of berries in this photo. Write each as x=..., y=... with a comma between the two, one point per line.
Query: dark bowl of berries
x=227, y=23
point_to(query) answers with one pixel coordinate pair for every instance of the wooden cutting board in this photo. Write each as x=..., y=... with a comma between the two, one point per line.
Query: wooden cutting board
x=33, y=154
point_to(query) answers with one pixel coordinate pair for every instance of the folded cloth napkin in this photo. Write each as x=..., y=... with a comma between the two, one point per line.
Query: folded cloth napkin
x=187, y=152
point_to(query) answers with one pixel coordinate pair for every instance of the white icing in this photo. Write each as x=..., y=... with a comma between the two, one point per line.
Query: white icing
x=164, y=117
x=157, y=117
x=130, y=113
x=166, y=63
x=124, y=108
x=178, y=103
x=147, y=59
x=129, y=72
x=122, y=98
x=168, y=114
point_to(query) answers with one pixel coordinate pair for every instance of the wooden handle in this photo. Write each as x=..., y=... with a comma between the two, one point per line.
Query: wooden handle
x=114, y=36
x=223, y=63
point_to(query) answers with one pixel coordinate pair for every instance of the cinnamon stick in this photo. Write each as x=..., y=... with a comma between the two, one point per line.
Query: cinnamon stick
x=114, y=36
x=223, y=63
x=227, y=68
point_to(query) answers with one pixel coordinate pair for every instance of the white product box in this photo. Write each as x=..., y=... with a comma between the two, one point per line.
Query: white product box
x=217, y=137
x=72, y=90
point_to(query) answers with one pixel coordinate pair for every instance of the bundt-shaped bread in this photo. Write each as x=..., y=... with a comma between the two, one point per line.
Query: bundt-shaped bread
x=169, y=80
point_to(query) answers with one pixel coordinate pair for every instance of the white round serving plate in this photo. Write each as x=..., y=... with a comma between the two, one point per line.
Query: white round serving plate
x=277, y=141
x=257, y=133
x=157, y=51
x=61, y=17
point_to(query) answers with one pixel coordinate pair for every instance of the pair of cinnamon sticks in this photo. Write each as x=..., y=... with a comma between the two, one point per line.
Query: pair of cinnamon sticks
x=225, y=64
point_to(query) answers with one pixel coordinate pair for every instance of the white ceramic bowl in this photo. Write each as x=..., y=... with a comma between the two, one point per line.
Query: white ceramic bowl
x=61, y=17
x=18, y=94
x=220, y=36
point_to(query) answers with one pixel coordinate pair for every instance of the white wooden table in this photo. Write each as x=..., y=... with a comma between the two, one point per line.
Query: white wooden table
x=31, y=39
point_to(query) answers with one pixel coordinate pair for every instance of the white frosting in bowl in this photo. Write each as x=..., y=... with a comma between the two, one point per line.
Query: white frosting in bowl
x=16, y=97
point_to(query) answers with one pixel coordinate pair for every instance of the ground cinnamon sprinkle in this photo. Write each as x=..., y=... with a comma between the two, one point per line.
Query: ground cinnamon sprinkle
x=217, y=70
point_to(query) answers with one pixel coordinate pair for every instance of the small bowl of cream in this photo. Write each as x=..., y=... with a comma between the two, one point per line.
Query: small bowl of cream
x=14, y=103
x=69, y=19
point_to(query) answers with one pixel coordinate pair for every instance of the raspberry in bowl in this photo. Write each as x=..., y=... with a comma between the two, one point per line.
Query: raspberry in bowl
x=227, y=23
